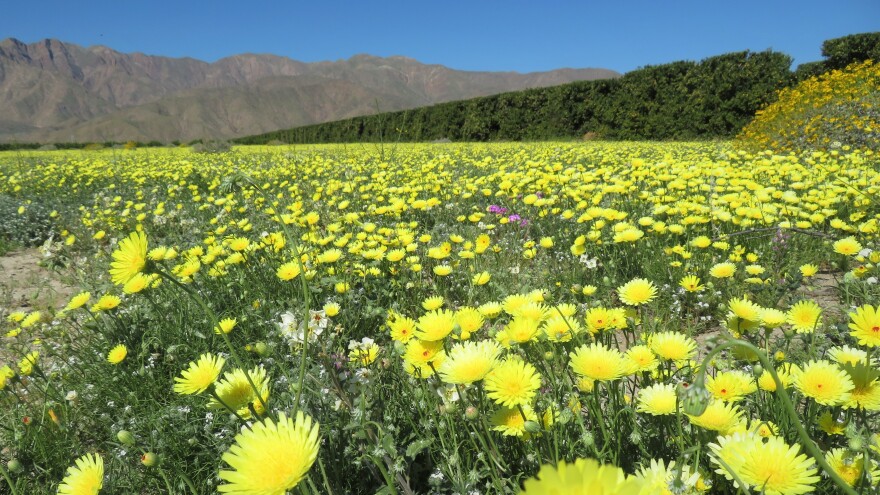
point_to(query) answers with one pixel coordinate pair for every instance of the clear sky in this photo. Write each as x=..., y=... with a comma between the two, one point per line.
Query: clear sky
x=491, y=35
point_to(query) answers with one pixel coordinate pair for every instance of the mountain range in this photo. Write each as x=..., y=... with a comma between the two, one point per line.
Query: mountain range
x=52, y=91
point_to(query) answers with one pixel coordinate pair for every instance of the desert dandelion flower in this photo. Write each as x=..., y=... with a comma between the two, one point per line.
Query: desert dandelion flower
x=78, y=301
x=470, y=362
x=200, y=375
x=865, y=325
x=129, y=258
x=117, y=354
x=723, y=270
x=85, y=478
x=513, y=382
x=672, y=346
x=824, y=382
x=719, y=416
x=270, y=458
x=847, y=246
x=691, y=283
x=637, y=291
x=581, y=477
x=511, y=421
x=435, y=325
x=804, y=316
x=598, y=362
x=237, y=394
x=658, y=399
x=777, y=468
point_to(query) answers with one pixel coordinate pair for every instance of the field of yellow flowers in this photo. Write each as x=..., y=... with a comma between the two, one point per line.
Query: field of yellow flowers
x=540, y=318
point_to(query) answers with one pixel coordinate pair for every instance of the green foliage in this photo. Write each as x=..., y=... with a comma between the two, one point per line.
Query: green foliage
x=841, y=52
x=681, y=100
x=27, y=223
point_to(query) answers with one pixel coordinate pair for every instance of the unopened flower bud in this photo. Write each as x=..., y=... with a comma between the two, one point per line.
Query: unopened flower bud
x=757, y=370
x=532, y=427
x=261, y=348
x=471, y=412
x=694, y=398
x=125, y=437
x=14, y=466
x=150, y=459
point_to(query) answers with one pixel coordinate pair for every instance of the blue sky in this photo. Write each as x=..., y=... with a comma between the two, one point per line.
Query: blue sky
x=470, y=35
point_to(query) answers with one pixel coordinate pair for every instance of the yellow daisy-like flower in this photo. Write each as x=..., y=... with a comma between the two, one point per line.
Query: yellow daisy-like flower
x=850, y=465
x=776, y=468
x=691, y=283
x=490, y=309
x=469, y=362
x=289, y=271
x=637, y=291
x=581, y=477
x=744, y=309
x=865, y=325
x=732, y=449
x=719, y=416
x=658, y=399
x=225, y=326
x=772, y=318
x=560, y=328
x=723, y=270
x=830, y=425
x=469, y=320
x=31, y=319
x=513, y=383
x=785, y=373
x=106, y=303
x=672, y=346
x=847, y=355
x=442, y=270
x=84, y=478
x=200, y=375
x=27, y=363
x=402, y=328
x=597, y=319
x=848, y=246
x=5, y=374
x=510, y=421
x=640, y=358
x=435, y=325
x=731, y=386
x=522, y=329
x=824, y=382
x=808, y=270
x=804, y=316
x=137, y=283
x=237, y=393
x=78, y=301
x=432, y=303
x=481, y=278
x=271, y=458
x=598, y=362
x=117, y=354
x=129, y=258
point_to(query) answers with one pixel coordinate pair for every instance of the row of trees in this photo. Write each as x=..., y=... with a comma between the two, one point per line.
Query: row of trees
x=711, y=99
x=680, y=100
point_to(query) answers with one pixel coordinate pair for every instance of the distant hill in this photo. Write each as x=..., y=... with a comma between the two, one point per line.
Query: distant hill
x=52, y=91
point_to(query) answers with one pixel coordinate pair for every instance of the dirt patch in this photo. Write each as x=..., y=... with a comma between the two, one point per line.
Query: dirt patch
x=823, y=288
x=27, y=286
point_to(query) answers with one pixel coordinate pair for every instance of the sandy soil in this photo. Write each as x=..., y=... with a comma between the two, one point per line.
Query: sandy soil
x=27, y=286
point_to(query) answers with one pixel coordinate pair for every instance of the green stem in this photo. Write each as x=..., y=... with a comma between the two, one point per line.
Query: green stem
x=8, y=479
x=788, y=406
x=215, y=324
